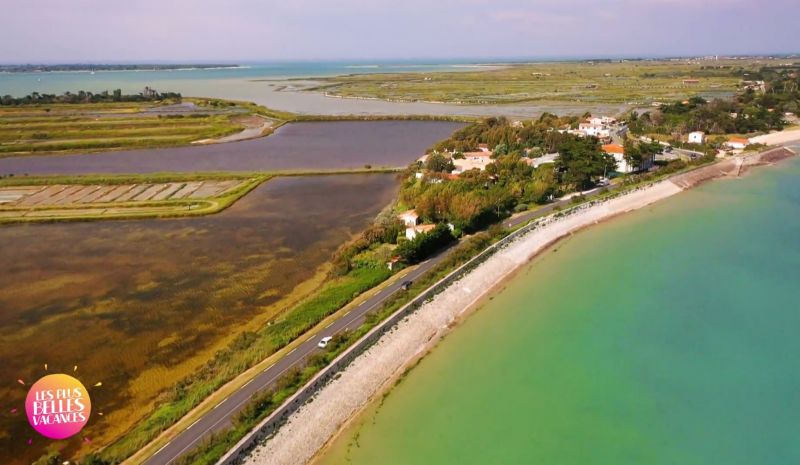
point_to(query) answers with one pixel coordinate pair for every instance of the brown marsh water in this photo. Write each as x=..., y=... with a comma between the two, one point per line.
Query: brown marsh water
x=298, y=146
x=139, y=304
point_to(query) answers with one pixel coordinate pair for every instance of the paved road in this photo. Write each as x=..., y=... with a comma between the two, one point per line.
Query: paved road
x=220, y=417
x=527, y=216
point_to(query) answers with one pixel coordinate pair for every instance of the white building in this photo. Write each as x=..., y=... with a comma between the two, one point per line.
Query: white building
x=737, y=143
x=409, y=218
x=696, y=137
x=618, y=152
x=597, y=126
x=472, y=160
x=596, y=130
x=412, y=232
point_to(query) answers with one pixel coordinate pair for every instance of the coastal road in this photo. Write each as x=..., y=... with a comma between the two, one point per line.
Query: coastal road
x=522, y=218
x=222, y=414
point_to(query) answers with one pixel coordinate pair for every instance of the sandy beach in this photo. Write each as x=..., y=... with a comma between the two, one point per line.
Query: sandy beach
x=786, y=136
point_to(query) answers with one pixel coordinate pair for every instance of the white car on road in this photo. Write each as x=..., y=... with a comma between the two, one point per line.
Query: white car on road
x=324, y=342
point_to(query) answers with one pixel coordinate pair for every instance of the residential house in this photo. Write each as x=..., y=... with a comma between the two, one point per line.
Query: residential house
x=597, y=126
x=737, y=143
x=472, y=160
x=589, y=129
x=409, y=218
x=618, y=152
x=412, y=232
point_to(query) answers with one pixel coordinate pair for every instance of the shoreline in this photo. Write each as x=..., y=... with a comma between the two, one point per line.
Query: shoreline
x=309, y=432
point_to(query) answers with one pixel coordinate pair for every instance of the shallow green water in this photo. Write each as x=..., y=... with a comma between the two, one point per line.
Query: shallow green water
x=668, y=336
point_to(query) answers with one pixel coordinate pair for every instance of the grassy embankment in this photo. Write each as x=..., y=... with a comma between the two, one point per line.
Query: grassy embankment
x=639, y=82
x=69, y=128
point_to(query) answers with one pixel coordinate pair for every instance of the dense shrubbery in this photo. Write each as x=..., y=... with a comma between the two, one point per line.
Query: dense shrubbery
x=425, y=244
x=498, y=133
x=384, y=230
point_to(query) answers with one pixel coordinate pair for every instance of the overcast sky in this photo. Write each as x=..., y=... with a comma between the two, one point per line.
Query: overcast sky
x=36, y=31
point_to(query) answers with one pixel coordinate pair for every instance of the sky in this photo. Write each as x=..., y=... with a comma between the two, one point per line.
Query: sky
x=61, y=31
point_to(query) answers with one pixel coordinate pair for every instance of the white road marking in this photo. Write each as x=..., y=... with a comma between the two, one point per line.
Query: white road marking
x=162, y=447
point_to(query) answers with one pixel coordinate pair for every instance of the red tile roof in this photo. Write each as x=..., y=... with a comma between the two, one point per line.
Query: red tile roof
x=613, y=148
x=741, y=140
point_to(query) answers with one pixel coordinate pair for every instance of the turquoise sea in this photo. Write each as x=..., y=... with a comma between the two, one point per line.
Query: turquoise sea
x=666, y=336
x=21, y=84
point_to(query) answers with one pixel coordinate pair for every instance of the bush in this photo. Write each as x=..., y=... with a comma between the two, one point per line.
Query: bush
x=424, y=244
x=386, y=229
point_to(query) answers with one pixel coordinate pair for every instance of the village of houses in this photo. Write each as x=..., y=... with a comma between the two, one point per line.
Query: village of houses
x=609, y=130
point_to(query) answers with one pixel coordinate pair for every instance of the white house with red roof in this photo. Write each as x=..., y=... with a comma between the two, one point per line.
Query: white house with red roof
x=618, y=152
x=737, y=143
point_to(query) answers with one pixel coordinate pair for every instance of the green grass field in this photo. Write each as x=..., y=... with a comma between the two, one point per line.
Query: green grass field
x=67, y=128
x=630, y=82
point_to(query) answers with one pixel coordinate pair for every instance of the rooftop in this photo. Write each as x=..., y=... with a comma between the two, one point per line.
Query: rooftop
x=613, y=148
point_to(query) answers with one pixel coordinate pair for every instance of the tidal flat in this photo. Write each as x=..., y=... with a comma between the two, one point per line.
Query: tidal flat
x=139, y=305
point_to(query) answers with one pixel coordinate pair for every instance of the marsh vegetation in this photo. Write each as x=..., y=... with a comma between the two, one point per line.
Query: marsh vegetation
x=603, y=81
x=176, y=297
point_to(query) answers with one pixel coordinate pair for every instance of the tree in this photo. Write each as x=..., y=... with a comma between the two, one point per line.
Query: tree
x=438, y=163
x=500, y=150
x=633, y=156
x=580, y=161
x=424, y=244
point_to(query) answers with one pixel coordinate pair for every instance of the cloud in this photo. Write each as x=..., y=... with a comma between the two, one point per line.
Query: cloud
x=248, y=30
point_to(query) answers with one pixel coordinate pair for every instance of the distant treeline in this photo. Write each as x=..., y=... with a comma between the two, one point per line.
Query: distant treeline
x=149, y=95
x=90, y=67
